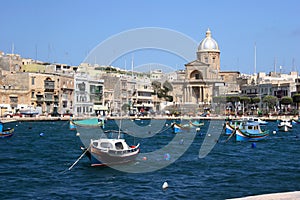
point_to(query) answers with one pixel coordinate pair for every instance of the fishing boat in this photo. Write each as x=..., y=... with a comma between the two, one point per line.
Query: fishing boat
x=285, y=125
x=295, y=121
x=230, y=126
x=105, y=151
x=110, y=149
x=178, y=128
x=5, y=133
x=91, y=122
x=249, y=131
x=72, y=125
x=196, y=123
x=255, y=119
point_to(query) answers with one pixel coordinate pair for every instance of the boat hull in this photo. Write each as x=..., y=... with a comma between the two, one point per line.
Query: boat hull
x=228, y=129
x=176, y=128
x=7, y=133
x=284, y=128
x=72, y=126
x=244, y=136
x=103, y=158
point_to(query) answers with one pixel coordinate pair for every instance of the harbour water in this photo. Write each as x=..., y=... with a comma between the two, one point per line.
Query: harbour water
x=34, y=166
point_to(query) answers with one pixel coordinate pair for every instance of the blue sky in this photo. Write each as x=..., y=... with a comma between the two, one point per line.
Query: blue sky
x=65, y=31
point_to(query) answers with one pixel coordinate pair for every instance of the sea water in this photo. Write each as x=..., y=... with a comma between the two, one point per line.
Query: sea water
x=35, y=166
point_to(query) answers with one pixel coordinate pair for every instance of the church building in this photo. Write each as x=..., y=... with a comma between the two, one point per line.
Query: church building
x=202, y=78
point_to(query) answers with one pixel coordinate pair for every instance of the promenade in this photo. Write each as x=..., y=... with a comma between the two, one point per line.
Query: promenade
x=157, y=117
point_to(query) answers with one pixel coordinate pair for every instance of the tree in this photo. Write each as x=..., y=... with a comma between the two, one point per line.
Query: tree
x=286, y=100
x=163, y=92
x=125, y=107
x=296, y=99
x=167, y=87
x=255, y=100
x=156, y=85
x=270, y=101
x=233, y=99
x=245, y=100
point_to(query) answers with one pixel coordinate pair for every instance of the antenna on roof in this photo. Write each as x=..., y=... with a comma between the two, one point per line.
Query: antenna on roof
x=293, y=65
x=12, y=48
x=255, y=58
x=132, y=66
x=275, y=65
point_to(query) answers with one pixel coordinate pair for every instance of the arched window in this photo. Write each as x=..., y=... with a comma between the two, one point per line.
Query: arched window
x=197, y=75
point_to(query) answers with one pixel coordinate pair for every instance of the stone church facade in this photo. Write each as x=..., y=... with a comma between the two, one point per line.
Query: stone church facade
x=201, y=79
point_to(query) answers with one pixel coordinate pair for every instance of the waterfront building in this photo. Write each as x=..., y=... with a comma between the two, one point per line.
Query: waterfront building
x=88, y=96
x=143, y=96
x=274, y=84
x=14, y=92
x=51, y=93
x=47, y=93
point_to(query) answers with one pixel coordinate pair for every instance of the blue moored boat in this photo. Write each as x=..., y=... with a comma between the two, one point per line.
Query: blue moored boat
x=231, y=125
x=4, y=133
x=250, y=131
x=92, y=122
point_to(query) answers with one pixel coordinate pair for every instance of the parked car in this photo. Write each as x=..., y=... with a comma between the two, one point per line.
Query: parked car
x=8, y=114
x=67, y=114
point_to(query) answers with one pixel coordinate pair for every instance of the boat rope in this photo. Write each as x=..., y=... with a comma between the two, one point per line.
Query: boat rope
x=77, y=160
x=233, y=133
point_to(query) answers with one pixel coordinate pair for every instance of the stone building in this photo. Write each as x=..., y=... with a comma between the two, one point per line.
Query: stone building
x=45, y=93
x=51, y=93
x=202, y=75
x=89, y=96
x=201, y=80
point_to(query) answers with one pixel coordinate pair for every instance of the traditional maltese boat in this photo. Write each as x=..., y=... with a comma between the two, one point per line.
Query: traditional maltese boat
x=4, y=133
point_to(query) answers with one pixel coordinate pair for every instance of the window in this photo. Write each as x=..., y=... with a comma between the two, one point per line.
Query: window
x=32, y=80
x=119, y=145
x=65, y=104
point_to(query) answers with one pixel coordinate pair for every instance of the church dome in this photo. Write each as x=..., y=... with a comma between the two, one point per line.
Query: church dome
x=208, y=43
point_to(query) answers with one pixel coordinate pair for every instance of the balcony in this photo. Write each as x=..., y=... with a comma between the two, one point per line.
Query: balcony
x=56, y=99
x=48, y=98
x=49, y=86
x=39, y=99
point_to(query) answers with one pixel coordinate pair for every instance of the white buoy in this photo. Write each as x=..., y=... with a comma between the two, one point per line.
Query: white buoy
x=165, y=185
x=77, y=134
x=274, y=132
